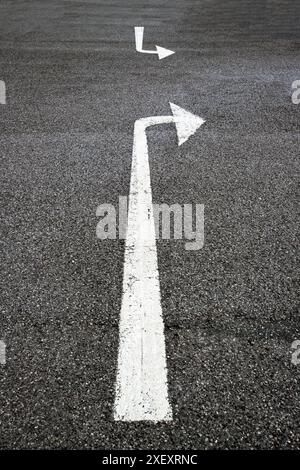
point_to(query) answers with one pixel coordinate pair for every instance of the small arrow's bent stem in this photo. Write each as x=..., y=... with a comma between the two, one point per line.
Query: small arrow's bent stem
x=139, y=38
x=141, y=390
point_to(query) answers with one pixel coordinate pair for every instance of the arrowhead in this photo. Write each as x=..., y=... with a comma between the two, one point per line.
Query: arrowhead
x=186, y=123
x=162, y=52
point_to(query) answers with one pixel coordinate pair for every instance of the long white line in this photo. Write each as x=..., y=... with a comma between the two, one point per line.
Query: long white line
x=141, y=392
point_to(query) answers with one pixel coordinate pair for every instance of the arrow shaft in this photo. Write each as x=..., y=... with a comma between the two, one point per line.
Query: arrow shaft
x=141, y=390
x=139, y=38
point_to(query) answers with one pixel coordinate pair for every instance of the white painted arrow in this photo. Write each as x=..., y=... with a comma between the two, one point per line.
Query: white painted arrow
x=141, y=388
x=139, y=36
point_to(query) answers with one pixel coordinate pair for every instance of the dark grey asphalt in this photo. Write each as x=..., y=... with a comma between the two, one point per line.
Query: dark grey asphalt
x=75, y=86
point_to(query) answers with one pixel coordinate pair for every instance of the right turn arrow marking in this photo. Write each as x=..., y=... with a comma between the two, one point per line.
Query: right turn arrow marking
x=139, y=36
x=141, y=389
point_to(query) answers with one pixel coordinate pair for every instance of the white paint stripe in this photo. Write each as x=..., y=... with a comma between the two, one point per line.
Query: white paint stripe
x=2, y=92
x=2, y=353
x=141, y=391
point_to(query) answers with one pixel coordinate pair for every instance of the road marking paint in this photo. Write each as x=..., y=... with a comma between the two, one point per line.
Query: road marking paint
x=141, y=387
x=139, y=37
x=2, y=353
x=2, y=92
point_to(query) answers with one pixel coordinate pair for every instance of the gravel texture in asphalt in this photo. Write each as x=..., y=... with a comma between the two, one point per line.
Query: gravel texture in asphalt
x=75, y=86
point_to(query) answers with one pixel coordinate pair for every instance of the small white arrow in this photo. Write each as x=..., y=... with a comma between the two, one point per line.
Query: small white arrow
x=160, y=51
x=141, y=388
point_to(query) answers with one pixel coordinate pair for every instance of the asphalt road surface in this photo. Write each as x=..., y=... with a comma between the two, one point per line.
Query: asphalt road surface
x=75, y=87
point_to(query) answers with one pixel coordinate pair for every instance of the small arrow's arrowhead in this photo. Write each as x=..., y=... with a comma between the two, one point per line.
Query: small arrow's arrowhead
x=186, y=123
x=162, y=52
